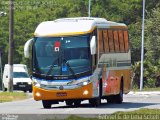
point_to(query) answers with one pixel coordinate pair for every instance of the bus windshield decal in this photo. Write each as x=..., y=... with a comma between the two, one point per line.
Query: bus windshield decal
x=57, y=46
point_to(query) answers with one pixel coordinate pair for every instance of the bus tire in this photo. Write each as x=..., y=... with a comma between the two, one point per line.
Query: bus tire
x=95, y=102
x=116, y=98
x=46, y=104
x=69, y=102
x=110, y=99
x=77, y=103
x=119, y=97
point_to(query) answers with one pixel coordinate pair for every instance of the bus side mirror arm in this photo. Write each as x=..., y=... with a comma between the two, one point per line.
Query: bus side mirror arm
x=93, y=45
x=26, y=48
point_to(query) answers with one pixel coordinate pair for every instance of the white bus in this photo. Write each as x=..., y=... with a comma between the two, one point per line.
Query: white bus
x=76, y=59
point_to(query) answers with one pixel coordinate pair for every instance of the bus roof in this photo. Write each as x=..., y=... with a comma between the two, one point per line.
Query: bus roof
x=73, y=26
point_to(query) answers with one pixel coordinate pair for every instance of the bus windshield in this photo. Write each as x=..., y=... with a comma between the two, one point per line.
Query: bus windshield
x=61, y=56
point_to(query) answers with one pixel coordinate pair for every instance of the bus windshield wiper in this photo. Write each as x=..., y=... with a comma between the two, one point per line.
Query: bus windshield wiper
x=64, y=61
x=70, y=68
x=51, y=67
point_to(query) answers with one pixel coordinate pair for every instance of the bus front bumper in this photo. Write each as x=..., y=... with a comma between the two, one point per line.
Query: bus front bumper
x=84, y=92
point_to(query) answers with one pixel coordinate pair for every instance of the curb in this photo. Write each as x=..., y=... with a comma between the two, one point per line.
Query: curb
x=145, y=93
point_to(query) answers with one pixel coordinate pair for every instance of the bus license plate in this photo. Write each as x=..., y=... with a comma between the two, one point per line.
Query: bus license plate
x=61, y=94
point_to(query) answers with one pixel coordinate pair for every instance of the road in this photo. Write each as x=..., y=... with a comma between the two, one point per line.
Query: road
x=131, y=102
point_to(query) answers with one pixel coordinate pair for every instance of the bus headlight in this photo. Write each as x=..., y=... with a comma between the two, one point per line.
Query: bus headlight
x=38, y=94
x=85, y=92
x=84, y=83
x=35, y=83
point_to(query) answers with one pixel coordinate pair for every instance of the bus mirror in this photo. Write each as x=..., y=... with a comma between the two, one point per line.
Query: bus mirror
x=93, y=45
x=26, y=48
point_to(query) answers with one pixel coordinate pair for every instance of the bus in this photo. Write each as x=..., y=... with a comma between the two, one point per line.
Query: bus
x=76, y=59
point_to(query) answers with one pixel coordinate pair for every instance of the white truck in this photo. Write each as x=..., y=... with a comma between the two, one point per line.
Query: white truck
x=21, y=79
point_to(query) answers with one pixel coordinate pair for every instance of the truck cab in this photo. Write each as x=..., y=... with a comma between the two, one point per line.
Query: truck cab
x=21, y=79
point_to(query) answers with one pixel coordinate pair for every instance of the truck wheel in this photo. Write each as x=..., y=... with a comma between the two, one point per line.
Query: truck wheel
x=30, y=91
x=46, y=104
x=69, y=102
x=3, y=88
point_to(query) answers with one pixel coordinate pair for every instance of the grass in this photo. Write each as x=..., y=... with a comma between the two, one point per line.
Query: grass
x=152, y=89
x=12, y=96
x=147, y=89
x=141, y=114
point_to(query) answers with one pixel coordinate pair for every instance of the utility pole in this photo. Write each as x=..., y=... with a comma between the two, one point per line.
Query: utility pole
x=11, y=46
x=142, y=48
x=1, y=67
x=2, y=13
x=89, y=8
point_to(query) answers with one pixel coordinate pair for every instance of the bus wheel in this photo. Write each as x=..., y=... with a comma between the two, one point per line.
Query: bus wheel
x=110, y=99
x=3, y=88
x=69, y=102
x=95, y=102
x=77, y=103
x=119, y=97
x=46, y=103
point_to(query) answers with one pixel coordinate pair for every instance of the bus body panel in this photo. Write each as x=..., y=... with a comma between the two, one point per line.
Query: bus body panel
x=111, y=85
x=79, y=93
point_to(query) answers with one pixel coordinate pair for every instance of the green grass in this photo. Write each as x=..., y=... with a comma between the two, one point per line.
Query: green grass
x=141, y=114
x=147, y=89
x=12, y=96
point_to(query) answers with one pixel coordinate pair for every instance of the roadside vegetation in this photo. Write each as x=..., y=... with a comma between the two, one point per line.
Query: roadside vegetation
x=146, y=89
x=12, y=96
x=142, y=114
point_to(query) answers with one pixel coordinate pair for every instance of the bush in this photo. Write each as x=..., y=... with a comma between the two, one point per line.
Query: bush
x=150, y=76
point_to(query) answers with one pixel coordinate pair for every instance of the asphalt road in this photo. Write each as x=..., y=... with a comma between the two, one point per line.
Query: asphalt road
x=27, y=107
